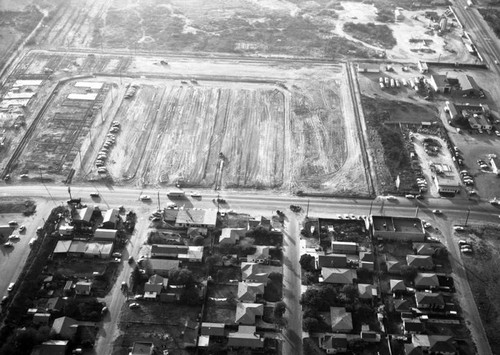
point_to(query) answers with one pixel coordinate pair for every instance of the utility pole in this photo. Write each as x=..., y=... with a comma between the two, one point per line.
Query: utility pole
x=158, y=200
x=218, y=198
x=467, y=217
x=307, y=213
x=69, y=189
x=416, y=212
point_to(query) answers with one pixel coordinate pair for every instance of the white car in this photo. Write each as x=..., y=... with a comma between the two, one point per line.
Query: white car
x=410, y=196
x=117, y=255
x=8, y=245
x=145, y=198
x=459, y=228
x=14, y=237
x=134, y=305
x=195, y=195
x=437, y=211
x=22, y=228
x=11, y=287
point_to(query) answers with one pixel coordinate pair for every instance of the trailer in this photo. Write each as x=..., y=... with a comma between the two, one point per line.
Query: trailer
x=175, y=193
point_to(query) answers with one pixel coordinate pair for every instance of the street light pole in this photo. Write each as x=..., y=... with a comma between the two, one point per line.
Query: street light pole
x=467, y=217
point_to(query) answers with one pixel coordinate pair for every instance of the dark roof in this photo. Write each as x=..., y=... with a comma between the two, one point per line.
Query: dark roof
x=413, y=325
x=411, y=349
x=441, y=344
x=429, y=298
x=332, y=260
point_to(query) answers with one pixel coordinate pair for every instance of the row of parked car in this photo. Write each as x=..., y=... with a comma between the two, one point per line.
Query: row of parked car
x=102, y=156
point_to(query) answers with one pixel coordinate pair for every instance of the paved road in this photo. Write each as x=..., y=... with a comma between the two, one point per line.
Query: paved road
x=291, y=286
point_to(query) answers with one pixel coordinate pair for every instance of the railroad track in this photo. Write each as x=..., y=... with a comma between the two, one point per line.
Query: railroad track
x=362, y=143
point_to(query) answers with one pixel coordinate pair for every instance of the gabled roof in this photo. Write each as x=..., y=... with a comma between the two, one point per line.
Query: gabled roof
x=55, y=303
x=401, y=305
x=411, y=349
x=105, y=234
x=250, y=271
x=423, y=249
x=338, y=276
x=112, y=215
x=426, y=279
x=64, y=325
x=332, y=260
x=397, y=285
x=261, y=253
x=77, y=246
x=248, y=291
x=62, y=246
x=393, y=266
x=84, y=214
x=413, y=325
x=367, y=291
x=245, y=337
x=231, y=235
x=341, y=320
x=246, y=312
x=153, y=288
x=420, y=261
x=426, y=298
x=158, y=280
x=366, y=256
x=334, y=341
x=217, y=329
x=441, y=344
x=194, y=253
x=168, y=251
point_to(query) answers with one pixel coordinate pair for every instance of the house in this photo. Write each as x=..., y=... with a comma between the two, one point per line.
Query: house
x=194, y=254
x=333, y=343
x=423, y=67
x=479, y=122
x=62, y=248
x=467, y=85
x=203, y=341
x=245, y=337
x=397, y=228
x=170, y=215
x=251, y=272
x=68, y=286
x=410, y=349
x=338, y=275
x=41, y=318
x=451, y=109
x=163, y=266
x=426, y=280
x=393, y=266
x=231, y=235
x=397, y=286
x=155, y=285
x=77, y=248
x=196, y=218
x=344, y=247
x=66, y=230
x=213, y=329
x=190, y=334
x=426, y=300
x=55, y=304
x=260, y=222
x=434, y=344
x=398, y=15
x=447, y=183
x=341, y=320
x=412, y=326
x=368, y=68
x=83, y=288
x=168, y=251
x=111, y=219
x=107, y=235
x=261, y=253
x=423, y=249
x=51, y=347
x=420, y=261
x=367, y=291
x=366, y=260
x=332, y=260
x=100, y=250
x=247, y=312
x=83, y=215
x=401, y=305
x=5, y=231
x=64, y=327
x=250, y=291
x=441, y=83
x=368, y=335
x=142, y=348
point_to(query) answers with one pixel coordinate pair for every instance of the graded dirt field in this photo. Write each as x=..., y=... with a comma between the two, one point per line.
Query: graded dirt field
x=218, y=123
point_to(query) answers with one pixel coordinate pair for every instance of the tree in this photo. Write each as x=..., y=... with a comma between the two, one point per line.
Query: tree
x=181, y=277
x=311, y=278
x=351, y=293
x=313, y=298
x=310, y=324
x=364, y=313
x=307, y=262
x=190, y=296
x=211, y=261
x=409, y=272
x=198, y=240
x=279, y=309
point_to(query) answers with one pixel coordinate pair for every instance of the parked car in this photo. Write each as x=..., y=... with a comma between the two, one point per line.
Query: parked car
x=8, y=245
x=117, y=255
x=12, y=223
x=11, y=286
x=134, y=305
x=410, y=196
x=437, y=211
x=14, y=237
x=459, y=228
x=94, y=194
x=22, y=228
x=145, y=198
x=195, y=195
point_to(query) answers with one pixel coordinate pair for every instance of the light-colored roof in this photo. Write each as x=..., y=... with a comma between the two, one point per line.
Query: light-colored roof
x=426, y=298
x=420, y=261
x=163, y=265
x=61, y=325
x=393, y=265
x=112, y=215
x=105, y=234
x=367, y=291
x=197, y=217
x=84, y=214
x=338, y=276
x=62, y=246
x=423, y=248
x=100, y=249
x=341, y=320
x=426, y=279
x=250, y=271
x=77, y=246
x=397, y=285
x=248, y=291
x=246, y=312
x=217, y=329
x=231, y=235
x=193, y=253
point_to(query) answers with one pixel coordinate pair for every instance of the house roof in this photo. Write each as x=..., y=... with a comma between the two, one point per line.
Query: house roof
x=62, y=325
x=142, y=348
x=168, y=251
x=163, y=264
x=105, y=234
x=338, y=276
x=245, y=337
x=250, y=271
x=197, y=217
x=111, y=215
x=440, y=80
x=261, y=253
x=83, y=287
x=420, y=261
x=411, y=349
x=426, y=298
x=152, y=288
x=41, y=318
x=158, y=280
x=367, y=291
x=194, y=253
x=170, y=215
x=426, y=279
x=77, y=246
x=62, y=246
x=393, y=266
x=99, y=249
x=84, y=214
x=334, y=341
x=51, y=347
x=397, y=285
x=246, y=312
x=332, y=260
x=441, y=344
x=423, y=248
x=248, y=291
x=401, y=305
x=413, y=325
x=341, y=320
x=55, y=303
x=366, y=256
x=217, y=329
x=231, y=235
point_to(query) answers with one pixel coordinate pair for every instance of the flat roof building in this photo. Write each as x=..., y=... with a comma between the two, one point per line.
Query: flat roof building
x=398, y=228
